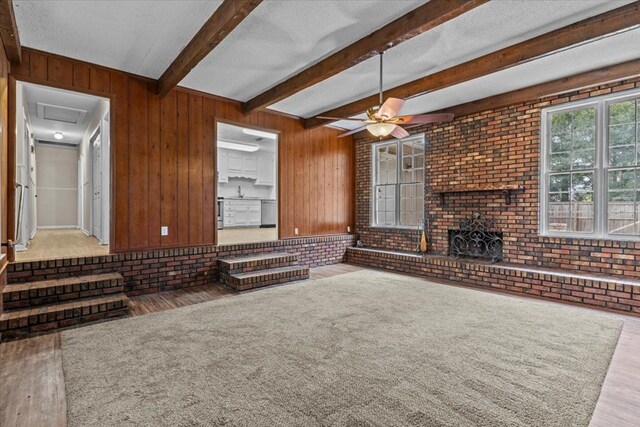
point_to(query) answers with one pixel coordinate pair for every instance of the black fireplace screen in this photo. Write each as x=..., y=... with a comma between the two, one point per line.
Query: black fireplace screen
x=475, y=239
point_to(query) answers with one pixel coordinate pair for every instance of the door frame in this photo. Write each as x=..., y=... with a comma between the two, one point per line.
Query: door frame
x=11, y=149
x=278, y=133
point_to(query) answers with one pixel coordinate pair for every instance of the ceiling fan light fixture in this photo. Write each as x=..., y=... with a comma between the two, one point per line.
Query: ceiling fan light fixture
x=381, y=129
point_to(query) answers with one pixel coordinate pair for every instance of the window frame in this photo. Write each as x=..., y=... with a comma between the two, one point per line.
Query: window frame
x=398, y=184
x=601, y=167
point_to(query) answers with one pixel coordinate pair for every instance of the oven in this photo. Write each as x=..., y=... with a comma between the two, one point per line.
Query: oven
x=220, y=214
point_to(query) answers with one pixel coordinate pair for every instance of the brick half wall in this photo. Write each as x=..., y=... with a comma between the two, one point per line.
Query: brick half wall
x=160, y=270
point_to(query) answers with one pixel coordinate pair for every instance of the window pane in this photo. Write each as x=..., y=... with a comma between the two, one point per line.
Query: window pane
x=622, y=134
x=622, y=156
x=622, y=208
x=583, y=159
x=560, y=161
x=622, y=112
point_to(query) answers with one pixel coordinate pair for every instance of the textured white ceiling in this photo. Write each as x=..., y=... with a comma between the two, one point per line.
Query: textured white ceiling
x=44, y=129
x=138, y=36
x=280, y=38
x=490, y=27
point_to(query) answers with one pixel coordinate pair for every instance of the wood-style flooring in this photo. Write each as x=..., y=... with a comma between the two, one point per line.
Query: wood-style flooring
x=61, y=243
x=32, y=381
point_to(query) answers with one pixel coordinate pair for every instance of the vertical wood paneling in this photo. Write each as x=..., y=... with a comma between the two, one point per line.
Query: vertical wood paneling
x=169, y=176
x=60, y=71
x=183, y=169
x=154, y=171
x=209, y=221
x=163, y=159
x=120, y=164
x=99, y=80
x=139, y=167
x=38, y=66
x=195, y=169
x=81, y=76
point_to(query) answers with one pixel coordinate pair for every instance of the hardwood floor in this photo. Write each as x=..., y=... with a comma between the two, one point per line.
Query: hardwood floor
x=32, y=381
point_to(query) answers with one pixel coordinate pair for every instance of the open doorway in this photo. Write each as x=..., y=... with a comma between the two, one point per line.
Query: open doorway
x=247, y=184
x=62, y=173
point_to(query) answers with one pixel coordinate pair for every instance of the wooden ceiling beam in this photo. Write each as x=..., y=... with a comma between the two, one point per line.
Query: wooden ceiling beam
x=223, y=20
x=9, y=32
x=414, y=23
x=587, y=30
x=599, y=76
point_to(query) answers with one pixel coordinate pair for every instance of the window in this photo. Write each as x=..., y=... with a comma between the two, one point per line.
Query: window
x=590, y=183
x=398, y=183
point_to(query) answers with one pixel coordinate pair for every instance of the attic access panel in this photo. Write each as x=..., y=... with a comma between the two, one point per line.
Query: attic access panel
x=61, y=114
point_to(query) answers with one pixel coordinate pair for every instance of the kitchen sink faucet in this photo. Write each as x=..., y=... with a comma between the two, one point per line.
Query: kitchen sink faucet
x=240, y=191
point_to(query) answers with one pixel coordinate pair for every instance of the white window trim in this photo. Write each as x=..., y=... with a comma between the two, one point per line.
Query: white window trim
x=601, y=169
x=374, y=165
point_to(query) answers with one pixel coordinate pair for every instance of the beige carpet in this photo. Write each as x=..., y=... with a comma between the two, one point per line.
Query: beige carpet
x=365, y=348
x=61, y=243
x=231, y=236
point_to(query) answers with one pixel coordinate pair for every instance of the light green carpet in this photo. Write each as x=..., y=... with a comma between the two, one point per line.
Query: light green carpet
x=365, y=348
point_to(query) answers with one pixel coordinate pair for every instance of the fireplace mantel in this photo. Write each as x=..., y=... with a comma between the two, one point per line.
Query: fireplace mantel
x=506, y=189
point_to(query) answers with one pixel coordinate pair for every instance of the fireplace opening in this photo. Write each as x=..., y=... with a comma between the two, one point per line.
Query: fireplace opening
x=476, y=238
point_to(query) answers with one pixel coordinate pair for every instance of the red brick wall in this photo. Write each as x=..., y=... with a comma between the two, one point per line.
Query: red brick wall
x=500, y=146
x=159, y=270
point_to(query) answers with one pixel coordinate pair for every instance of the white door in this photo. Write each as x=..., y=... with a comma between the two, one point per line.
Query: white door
x=97, y=189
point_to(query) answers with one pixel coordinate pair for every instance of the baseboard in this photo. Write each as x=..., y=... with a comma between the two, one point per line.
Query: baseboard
x=86, y=232
x=33, y=233
x=53, y=227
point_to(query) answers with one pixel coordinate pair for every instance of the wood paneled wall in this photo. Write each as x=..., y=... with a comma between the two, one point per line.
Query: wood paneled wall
x=4, y=146
x=163, y=158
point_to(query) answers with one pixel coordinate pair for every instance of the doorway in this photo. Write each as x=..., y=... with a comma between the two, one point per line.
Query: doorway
x=62, y=173
x=247, y=182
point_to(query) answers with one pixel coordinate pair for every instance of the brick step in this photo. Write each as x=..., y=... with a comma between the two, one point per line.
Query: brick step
x=32, y=294
x=257, y=262
x=271, y=276
x=20, y=323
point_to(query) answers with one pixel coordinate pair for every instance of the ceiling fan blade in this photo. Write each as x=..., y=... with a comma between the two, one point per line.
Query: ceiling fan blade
x=342, y=118
x=399, y=132
x=351, y=132
x=425, y=118
x=390, y=108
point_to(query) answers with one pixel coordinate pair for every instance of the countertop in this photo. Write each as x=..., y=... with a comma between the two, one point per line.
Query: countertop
x=246, y=198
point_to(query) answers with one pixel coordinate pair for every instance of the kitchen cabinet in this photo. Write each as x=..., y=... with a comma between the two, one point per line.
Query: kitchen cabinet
x=266, y=168
x=242, y=213
x=242, y=165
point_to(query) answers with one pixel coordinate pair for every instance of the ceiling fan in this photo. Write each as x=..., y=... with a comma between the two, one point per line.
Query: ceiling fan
x=383, y=121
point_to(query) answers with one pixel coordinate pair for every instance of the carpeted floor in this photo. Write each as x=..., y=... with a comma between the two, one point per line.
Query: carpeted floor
x=365, y=348
x=61, y=243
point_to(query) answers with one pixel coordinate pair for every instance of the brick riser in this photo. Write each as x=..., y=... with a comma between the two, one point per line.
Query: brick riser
x=17, y=296
x=23, y=323
x=609, y=293
x=266, y=279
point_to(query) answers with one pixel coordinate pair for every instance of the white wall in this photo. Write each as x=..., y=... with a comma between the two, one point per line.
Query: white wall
x=57, y=179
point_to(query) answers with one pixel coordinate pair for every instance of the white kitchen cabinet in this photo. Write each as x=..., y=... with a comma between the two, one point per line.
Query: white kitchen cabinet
x=223, y=166
x=242, y=165
x=235, y=164
x=242, y=213
x=266, y=168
